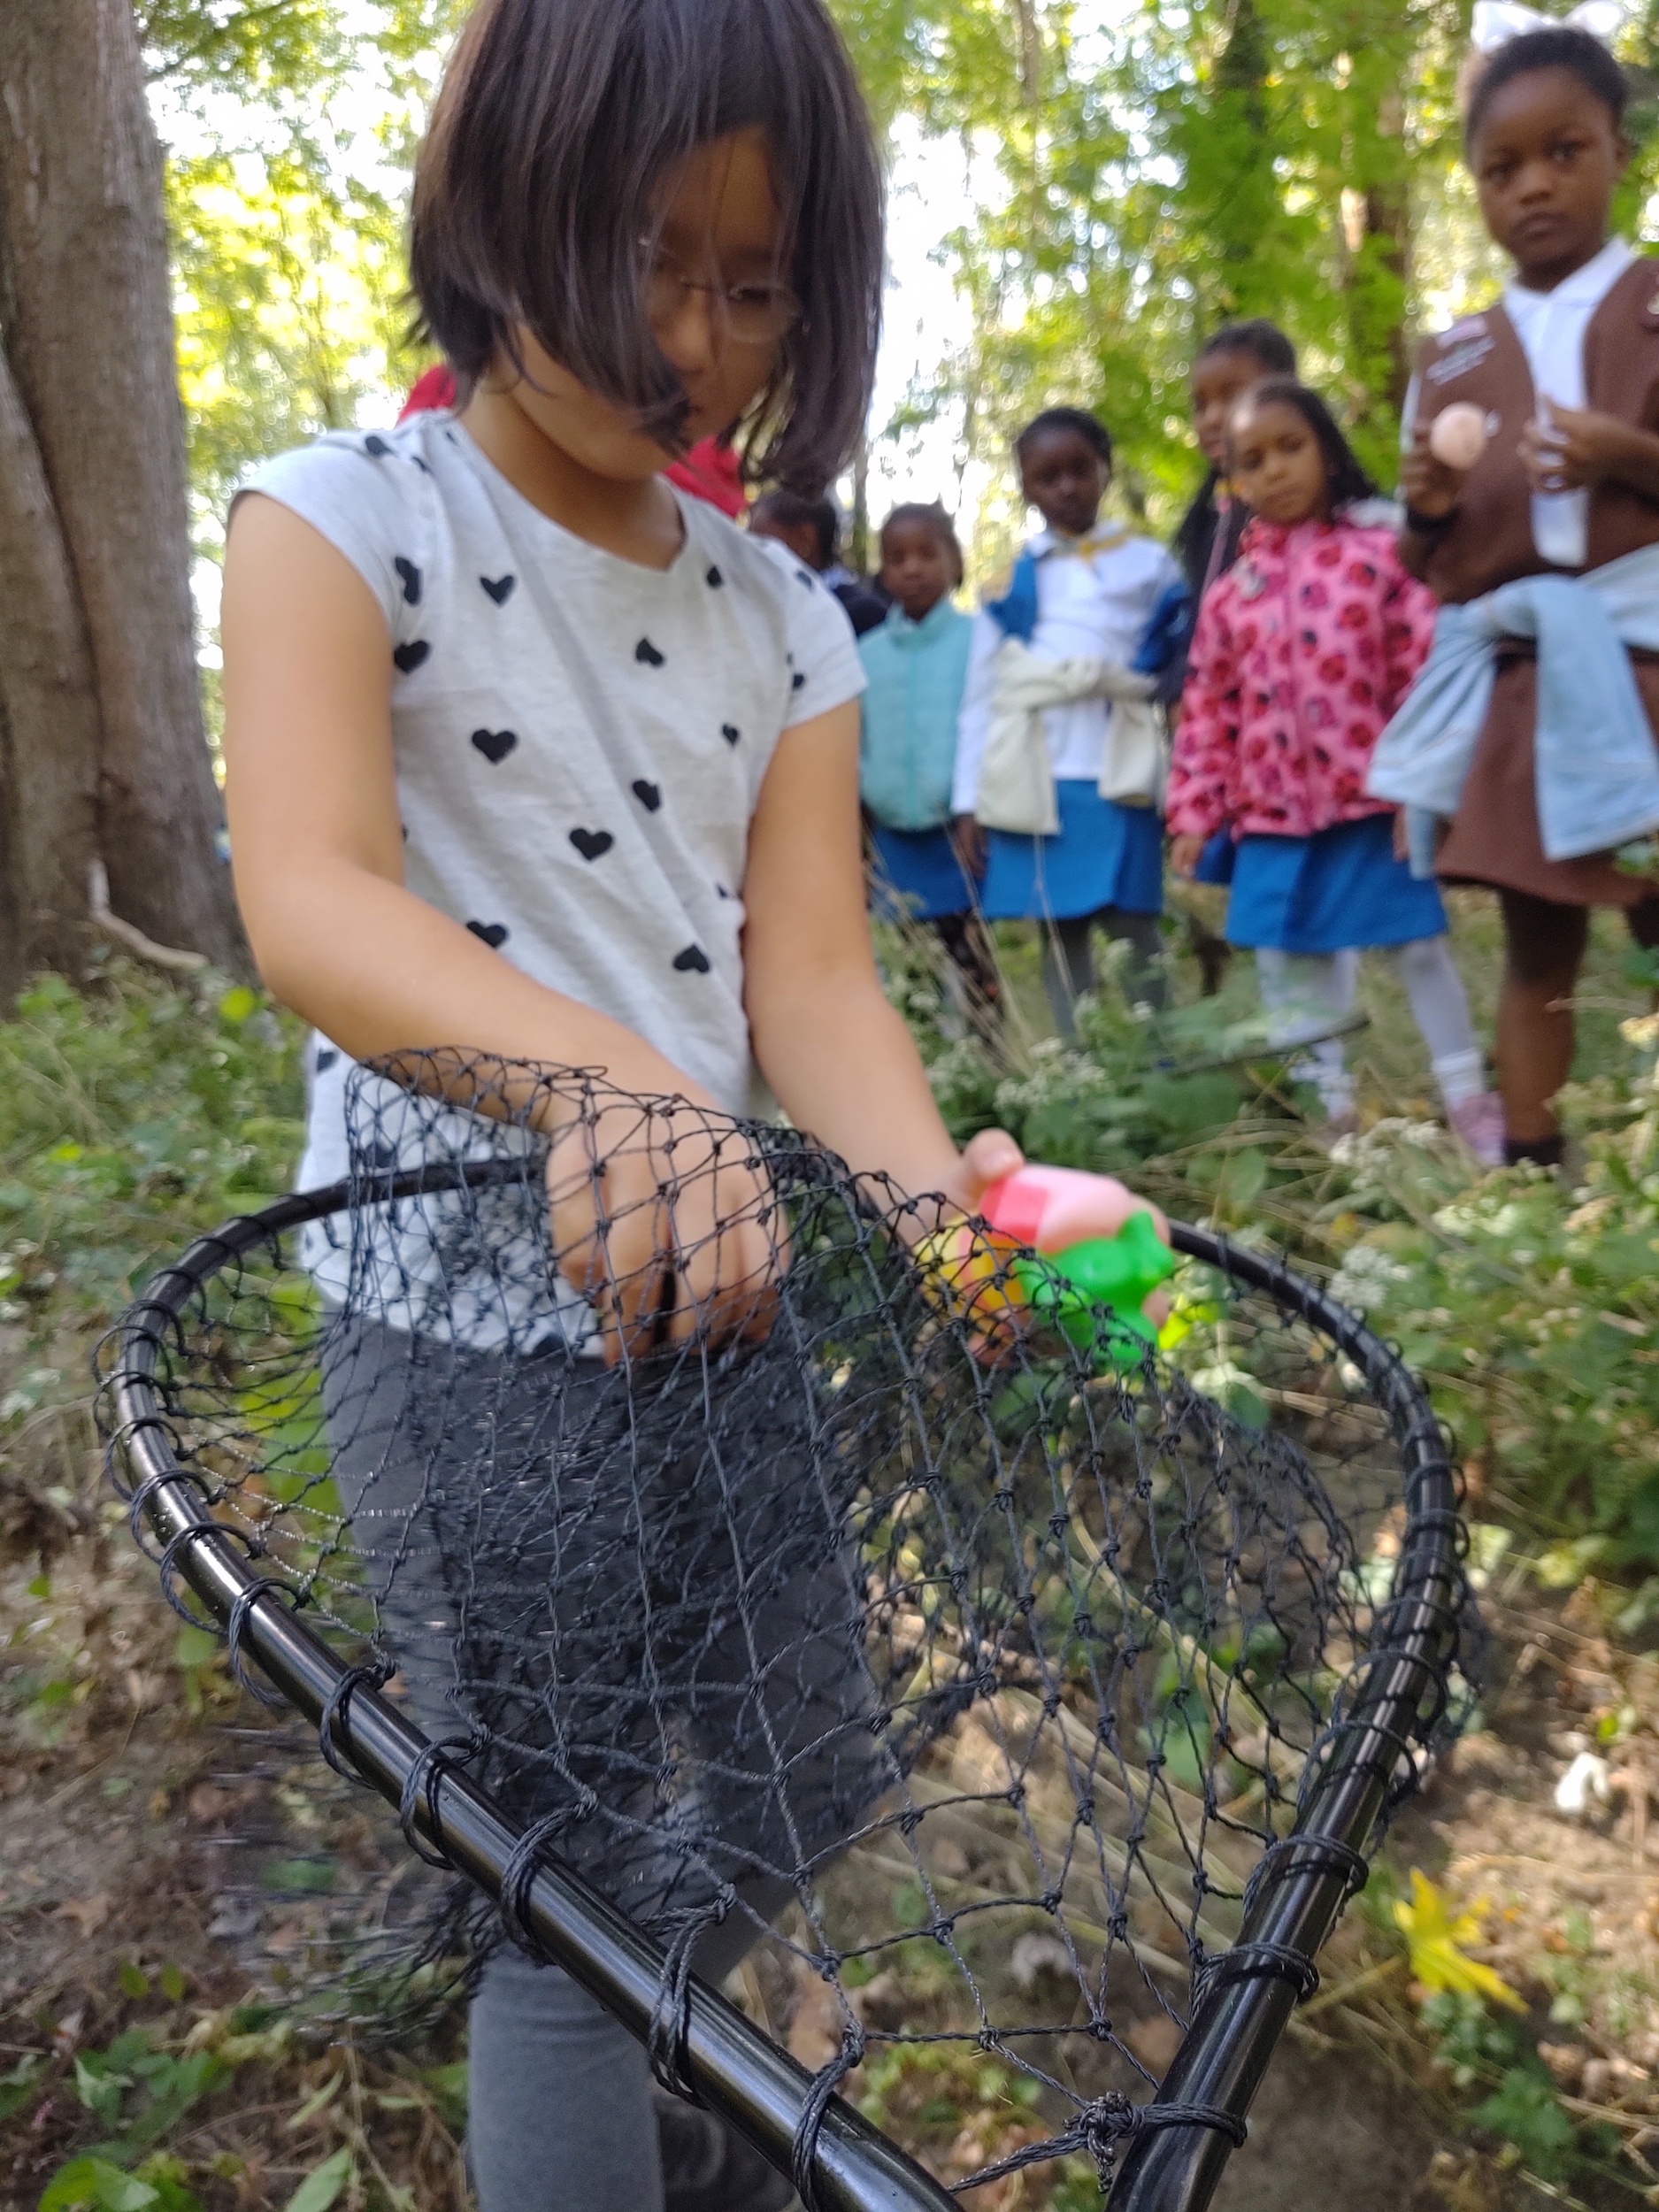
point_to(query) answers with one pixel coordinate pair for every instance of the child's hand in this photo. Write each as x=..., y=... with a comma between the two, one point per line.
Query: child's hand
x=1432, y=488
x=664, y=1223
x=1185, y=853
x=968, y=836
x=1571, y=448
x=985, y=1159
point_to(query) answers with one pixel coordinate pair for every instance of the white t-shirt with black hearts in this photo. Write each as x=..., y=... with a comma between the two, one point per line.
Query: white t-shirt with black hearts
x=619, y=883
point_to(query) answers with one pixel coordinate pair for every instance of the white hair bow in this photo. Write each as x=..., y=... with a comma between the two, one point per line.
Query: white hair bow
x=1498, y=21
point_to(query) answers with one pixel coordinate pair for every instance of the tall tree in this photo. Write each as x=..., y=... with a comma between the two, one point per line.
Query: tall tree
x=104, y=753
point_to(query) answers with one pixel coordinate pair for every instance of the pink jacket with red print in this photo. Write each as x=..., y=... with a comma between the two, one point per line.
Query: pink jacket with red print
x=1304, y=651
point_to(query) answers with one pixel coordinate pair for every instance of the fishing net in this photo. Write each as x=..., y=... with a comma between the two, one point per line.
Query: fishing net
x=1033, y=1698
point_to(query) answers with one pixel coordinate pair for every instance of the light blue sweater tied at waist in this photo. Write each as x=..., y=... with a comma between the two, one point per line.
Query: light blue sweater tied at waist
x=917, y=671
x=1596, y=762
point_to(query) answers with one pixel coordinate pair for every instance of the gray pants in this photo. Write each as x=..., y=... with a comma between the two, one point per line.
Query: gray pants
x=1068, y=961
x=641, y=1584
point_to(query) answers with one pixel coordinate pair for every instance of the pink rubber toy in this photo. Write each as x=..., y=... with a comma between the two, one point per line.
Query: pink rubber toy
x=1051, y=1208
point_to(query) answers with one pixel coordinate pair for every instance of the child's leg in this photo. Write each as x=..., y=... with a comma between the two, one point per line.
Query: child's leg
x=1440, y=1006
x=559, y=2112
x=974, y=964
x=1544, y=947
x=1304, y=993
x=1068, y=968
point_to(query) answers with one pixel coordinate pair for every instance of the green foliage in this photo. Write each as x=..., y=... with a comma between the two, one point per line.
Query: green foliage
x=1135, y=1085
x=1524, y=2110
x=1533, y=1309
x=131, y=1118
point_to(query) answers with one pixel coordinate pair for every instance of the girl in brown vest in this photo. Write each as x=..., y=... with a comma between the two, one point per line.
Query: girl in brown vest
x=1566, y=371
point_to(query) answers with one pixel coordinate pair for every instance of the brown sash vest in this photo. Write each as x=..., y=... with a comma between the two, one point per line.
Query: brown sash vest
x=1494, y=839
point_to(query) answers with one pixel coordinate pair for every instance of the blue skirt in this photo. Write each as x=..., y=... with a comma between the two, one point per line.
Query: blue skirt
x=1341, y=888
x=918, y=874
x=1106, y=854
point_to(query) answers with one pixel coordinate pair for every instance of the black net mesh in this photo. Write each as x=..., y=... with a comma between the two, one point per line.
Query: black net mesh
x=964, y=1674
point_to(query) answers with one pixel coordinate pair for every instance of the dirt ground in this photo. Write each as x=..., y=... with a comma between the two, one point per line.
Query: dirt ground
x=167, y=1847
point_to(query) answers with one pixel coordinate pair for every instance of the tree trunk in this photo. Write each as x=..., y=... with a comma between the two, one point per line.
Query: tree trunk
x=86, y=320
x=49, y=758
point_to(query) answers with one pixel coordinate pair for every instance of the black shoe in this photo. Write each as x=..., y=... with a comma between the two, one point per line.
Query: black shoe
x=707, y=2168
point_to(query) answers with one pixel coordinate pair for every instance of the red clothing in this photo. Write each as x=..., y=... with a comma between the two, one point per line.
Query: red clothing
x=1302, y=653
x=710, y=471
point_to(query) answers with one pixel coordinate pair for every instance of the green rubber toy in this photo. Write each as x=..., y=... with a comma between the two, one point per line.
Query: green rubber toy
x=1119, y=1273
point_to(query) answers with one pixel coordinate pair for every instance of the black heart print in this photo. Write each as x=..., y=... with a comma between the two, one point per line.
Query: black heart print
x=379, y=1158
x=648, y=795
x=592, y=844
x=326, y=1057
x=378, y=448
x=730, y=732
x=646, y=652
x=796, y=680
x=715, y=580
x=801, y=577
x=494, y=933
x=420, y=464
x=409, y=657
x=499, y=588
x=722, y=890
x=410, y=576
x=693, y=961
x=495, y=744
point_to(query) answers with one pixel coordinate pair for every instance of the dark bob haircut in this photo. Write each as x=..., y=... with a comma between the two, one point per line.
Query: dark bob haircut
x=1348, y=479
x=1087, y=426
x=558, y=127
x=926, y=516
x=1558, y=47
x=1264, y=342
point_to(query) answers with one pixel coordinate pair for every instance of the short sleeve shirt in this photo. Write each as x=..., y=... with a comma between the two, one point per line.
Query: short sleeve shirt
x=616, y=880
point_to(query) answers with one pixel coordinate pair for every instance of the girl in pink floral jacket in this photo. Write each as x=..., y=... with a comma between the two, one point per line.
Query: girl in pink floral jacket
x=1304, y=651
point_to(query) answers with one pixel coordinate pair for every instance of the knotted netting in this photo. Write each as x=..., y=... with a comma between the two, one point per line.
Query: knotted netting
x=973, y=1676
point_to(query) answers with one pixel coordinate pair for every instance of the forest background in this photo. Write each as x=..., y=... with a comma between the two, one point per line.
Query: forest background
x=1129, y=178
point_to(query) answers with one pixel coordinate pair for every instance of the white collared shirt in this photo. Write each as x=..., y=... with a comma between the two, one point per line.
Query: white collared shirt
x=1095, y=605
x=1551, y=327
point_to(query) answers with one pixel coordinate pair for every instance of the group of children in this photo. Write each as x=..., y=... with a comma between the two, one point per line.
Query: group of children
x=1307, y=634
x=1314, y=605
x=532, y=754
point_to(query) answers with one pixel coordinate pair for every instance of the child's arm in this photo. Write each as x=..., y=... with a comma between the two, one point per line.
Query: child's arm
x=317, y=848
x=1206, y=738
x=838, y=1057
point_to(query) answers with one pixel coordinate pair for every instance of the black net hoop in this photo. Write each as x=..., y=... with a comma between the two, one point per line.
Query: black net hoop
x=1039, y=1690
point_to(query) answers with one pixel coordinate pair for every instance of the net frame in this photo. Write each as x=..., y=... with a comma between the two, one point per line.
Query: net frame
x=1171, y=2151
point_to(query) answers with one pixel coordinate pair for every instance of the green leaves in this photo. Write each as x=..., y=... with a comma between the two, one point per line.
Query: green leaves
x=94, y=2183
x=322, y=2184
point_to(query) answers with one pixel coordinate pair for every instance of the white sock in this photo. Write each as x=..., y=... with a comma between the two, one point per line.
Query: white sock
x=1460, y=1075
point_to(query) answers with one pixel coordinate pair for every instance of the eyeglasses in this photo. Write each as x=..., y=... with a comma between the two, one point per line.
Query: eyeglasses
x=752, y=314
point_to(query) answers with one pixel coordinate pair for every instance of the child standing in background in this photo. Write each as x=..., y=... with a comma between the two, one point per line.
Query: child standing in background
x=811, y=529
x=1544, y=554
x=1238, y=356
x=917, y=665
x=1303, y=650
x=1079, y=589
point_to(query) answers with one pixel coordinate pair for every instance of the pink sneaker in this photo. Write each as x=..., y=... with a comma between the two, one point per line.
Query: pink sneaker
x=1479, y=1122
